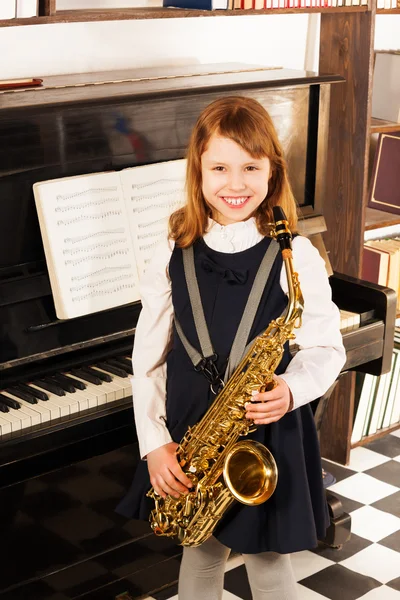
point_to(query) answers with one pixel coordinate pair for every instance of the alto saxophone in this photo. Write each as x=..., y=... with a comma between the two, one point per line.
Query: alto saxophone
x=221, y=468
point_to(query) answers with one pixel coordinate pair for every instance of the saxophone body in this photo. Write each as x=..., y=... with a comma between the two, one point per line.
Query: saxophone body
x=223, y=468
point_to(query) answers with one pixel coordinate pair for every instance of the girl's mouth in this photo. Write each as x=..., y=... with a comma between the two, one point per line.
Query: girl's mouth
x=235, y=201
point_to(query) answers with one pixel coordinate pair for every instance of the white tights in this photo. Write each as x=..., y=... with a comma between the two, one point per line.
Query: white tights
x=202, y=573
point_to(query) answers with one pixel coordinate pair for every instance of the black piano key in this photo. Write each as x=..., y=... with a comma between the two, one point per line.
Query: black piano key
x=4, y=408
x=33, y=392
x=86, y=376
x=21, y=393
x=49, y=386
x=9, y=401
x=114, y=363
x=125, y=361
x=123, y=365
x=102, y=376
x=68, y=386
x=106, y=366
x=79, y=385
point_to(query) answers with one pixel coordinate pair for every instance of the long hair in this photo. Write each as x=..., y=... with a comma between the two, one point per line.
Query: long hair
x=246, y=122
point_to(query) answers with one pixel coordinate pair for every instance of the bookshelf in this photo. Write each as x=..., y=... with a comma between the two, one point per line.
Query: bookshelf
x=115, y=14
x=375, y=436
x=383, y=126
x=346, y=48
x=375, y=219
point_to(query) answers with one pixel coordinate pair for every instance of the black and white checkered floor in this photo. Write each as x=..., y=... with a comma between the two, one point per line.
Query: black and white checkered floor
x=368, y=566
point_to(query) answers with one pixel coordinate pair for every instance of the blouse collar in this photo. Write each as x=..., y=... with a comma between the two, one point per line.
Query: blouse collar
x=234, y=237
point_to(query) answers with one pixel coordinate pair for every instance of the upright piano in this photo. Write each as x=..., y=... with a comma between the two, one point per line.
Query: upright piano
x=68, y=445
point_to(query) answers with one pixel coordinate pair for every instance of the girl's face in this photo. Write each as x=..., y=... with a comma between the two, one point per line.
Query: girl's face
x=234, y=183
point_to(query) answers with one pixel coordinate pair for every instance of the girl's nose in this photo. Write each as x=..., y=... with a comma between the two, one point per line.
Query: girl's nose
x=236, y=182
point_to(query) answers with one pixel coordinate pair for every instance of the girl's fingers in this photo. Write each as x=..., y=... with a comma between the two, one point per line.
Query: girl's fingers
x=173, y=483
x=269, y=406
x=180, y=476
x=167, y=489
x=270, y=417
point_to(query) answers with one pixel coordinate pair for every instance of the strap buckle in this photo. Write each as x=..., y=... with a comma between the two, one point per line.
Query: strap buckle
x=207, y=366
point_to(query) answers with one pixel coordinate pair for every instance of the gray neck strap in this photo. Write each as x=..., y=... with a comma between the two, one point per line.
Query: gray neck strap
x=206, y=361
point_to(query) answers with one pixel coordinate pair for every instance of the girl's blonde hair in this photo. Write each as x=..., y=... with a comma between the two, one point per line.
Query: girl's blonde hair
x=246, y=122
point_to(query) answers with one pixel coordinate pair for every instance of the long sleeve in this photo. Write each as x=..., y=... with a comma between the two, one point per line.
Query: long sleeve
x=321, y=353
x=152, y=340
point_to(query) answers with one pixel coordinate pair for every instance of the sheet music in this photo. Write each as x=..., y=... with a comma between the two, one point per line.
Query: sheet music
x=87, y=241
x=152, y=193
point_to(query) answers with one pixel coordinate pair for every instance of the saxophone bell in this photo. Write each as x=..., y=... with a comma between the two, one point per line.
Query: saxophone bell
x=250, y=472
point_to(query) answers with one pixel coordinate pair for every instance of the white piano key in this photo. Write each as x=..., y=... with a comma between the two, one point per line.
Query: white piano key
x=108, y=389
x=33, y=416
x=112, y=390
x=5, y=426
x=92, y=390
x=118, y=390
x=59, y=401
x=40, y=408
x=69, y=401
x=55, y=409
x=84, y=400
x=123, y=382
x=81, y=400
x=16, y=423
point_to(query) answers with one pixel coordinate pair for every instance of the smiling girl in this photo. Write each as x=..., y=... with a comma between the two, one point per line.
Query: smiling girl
x=236, y=173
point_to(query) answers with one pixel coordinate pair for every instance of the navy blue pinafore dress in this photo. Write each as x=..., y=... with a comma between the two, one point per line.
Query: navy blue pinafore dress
x=296, y=515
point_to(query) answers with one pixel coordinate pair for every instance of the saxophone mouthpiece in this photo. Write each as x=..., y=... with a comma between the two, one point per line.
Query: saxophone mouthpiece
x=283, y=234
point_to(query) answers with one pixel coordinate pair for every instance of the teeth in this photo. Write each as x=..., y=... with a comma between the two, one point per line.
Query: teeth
x=235, y=201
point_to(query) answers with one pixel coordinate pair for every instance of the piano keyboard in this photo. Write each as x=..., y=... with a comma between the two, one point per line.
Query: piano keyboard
x=64, y=394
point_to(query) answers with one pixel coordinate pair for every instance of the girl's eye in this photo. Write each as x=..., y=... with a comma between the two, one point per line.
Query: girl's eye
x=252, y=168
x=218, y=168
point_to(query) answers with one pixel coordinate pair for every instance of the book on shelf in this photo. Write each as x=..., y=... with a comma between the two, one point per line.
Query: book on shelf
x=26, y=9
x=99, y=231
x=392, y=409
x=8, y=9
x=375, y=266
x=365, y=401
x=386, y=79
x=11, y=9
x=384, y=191
x=197, y=4
x=378, y=404
x=385, y=267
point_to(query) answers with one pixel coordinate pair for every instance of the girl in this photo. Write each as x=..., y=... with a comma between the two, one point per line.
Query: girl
x=236, y=173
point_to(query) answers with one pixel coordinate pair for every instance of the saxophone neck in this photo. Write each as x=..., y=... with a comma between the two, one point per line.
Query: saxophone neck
x=281, y=233
x=295, y=305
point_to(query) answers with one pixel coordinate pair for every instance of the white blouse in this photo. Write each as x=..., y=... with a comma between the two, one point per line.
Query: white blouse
x=311, y=372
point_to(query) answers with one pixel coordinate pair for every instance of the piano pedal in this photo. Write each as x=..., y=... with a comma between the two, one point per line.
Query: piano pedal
x=339, y=530
x=124, y=596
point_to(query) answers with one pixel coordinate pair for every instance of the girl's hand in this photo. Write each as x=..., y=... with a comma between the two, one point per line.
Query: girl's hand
x=166, y=476
x=271, y=405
